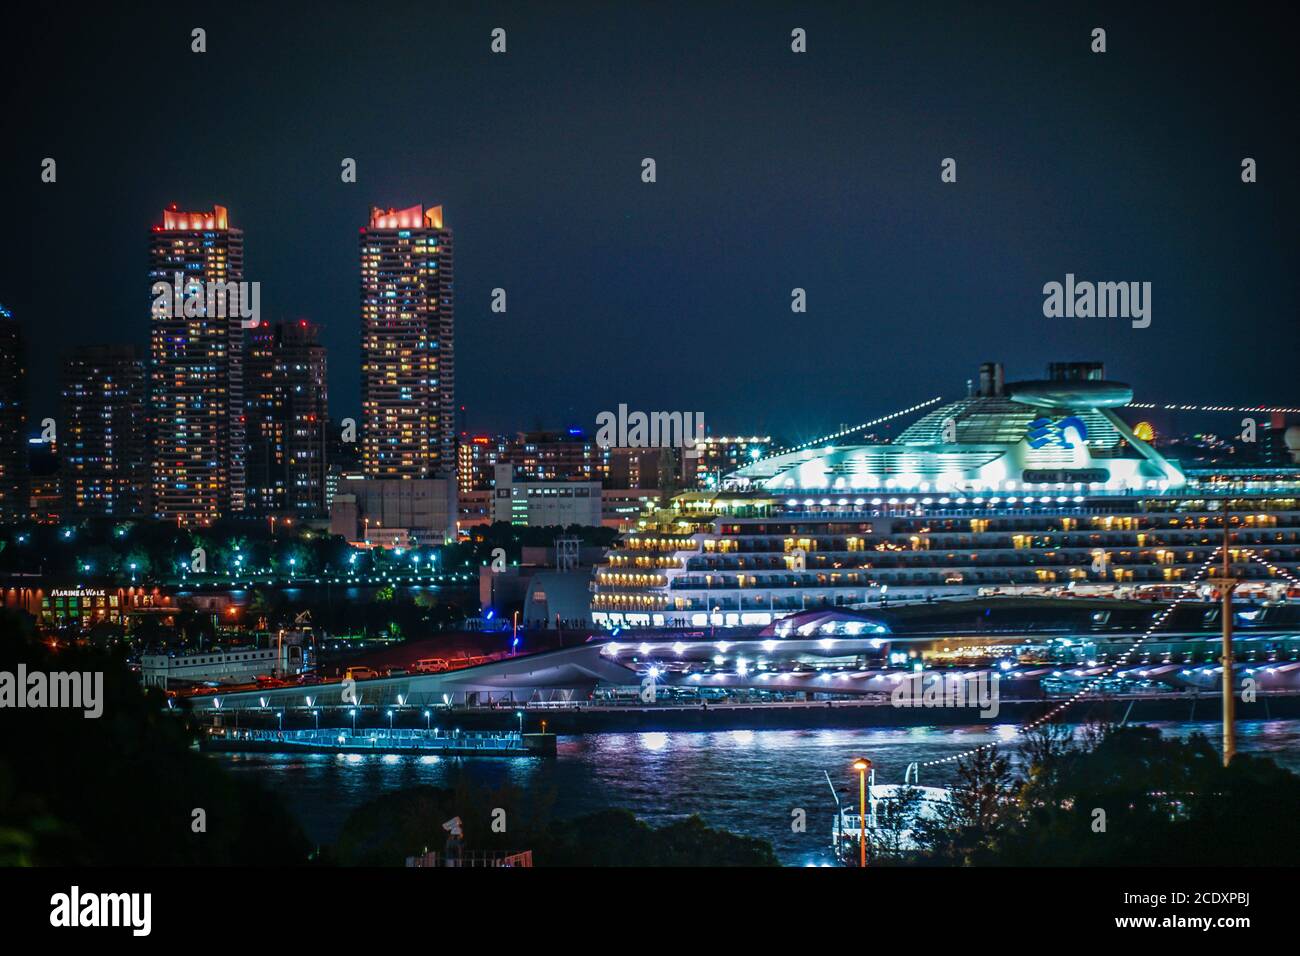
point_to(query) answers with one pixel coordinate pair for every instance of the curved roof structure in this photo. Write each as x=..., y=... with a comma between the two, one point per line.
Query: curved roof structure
x=1060, y=434
x=1054, y=394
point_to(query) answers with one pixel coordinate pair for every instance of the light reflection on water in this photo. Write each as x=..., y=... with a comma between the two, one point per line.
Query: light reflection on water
x=747, y=781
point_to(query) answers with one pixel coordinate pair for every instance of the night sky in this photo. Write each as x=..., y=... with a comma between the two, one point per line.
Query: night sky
x=775, y=170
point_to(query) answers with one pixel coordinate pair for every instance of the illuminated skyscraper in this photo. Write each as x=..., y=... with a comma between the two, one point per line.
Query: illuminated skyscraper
x=287, y=419
x=13, y=420
x=196, y=372
x=407, y=346
x=103, y=439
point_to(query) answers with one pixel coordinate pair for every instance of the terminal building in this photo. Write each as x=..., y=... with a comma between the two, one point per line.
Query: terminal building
x=538, y=504
x=1031, y=487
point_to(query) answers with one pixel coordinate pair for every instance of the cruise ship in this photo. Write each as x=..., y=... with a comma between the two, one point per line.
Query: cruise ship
x=1030, y=487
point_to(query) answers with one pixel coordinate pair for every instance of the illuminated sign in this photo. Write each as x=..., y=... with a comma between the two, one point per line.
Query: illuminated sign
x=1045, y=476
x=1044, y=432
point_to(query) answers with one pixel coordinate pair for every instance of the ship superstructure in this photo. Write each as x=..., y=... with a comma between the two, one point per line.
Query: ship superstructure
x=1033, y=486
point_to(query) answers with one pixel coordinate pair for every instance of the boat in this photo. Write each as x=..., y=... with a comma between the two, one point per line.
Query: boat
x=885, y=831
x=1021, y=490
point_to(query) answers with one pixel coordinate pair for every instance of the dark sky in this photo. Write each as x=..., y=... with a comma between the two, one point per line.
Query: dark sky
x=775, y=170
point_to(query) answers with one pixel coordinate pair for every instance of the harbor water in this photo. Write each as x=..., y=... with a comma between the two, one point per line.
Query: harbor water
x=746, y=781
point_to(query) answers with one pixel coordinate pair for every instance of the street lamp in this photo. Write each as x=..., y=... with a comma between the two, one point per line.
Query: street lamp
x=862, y=765
x=520, y=715
x=390, y=722
x=353, y=712
x=428, y=721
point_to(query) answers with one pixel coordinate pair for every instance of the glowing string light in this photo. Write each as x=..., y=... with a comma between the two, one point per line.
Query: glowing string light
x=1276, y=569
x=1216, y=408
x=849, y=431
x=1088, y=687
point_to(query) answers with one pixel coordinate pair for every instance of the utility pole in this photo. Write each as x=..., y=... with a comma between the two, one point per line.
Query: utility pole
x=1226, y=584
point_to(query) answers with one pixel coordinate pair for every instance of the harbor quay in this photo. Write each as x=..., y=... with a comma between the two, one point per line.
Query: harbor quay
x=435, y=742
x=716, y=715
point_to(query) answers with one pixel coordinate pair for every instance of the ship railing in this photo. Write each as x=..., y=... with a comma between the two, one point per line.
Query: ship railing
x=976, y=511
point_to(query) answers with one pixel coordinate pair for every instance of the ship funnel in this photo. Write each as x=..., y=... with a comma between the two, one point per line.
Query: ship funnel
x=991, y=380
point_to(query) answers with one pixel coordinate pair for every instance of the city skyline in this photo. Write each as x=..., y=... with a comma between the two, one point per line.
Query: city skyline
x=589, y=435
x=292, y=457
x=820, y=185
x=531, y=419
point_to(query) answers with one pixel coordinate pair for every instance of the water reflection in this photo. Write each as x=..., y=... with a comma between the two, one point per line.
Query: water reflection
x=653, y=741
x=748, y=781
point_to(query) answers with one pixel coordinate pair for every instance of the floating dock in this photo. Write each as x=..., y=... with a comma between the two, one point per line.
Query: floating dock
x=423, y=743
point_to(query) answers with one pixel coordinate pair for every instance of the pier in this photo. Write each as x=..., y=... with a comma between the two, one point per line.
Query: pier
x=434, y=743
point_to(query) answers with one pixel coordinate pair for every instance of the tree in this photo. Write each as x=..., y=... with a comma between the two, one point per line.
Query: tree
x=408, y=822
x=125, y=785
x=896, y=818
x=969, y=828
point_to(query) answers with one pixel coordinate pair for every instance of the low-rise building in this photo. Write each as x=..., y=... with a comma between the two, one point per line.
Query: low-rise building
x=538, y=504
x=395, y=512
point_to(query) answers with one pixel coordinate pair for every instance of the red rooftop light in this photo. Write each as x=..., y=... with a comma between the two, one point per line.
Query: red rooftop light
x=412, y=217
x=176, y=221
